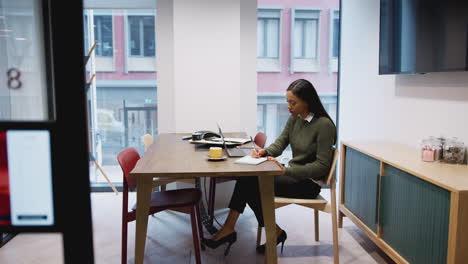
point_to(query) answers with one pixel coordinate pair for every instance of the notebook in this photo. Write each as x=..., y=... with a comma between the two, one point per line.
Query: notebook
x=249, y=160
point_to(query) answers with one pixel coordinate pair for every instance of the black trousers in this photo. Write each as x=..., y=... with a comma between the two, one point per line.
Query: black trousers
x=246, y=192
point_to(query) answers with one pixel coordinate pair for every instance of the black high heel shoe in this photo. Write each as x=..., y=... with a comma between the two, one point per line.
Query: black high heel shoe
x=280, y=239
x=230, y=239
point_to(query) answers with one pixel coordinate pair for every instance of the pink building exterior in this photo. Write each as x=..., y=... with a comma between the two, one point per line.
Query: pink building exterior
x=120, y=45
x=324, y=80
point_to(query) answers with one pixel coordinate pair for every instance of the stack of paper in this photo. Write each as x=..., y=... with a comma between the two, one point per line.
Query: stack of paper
x=233, y=140
x=249, y=160
x=212, y=142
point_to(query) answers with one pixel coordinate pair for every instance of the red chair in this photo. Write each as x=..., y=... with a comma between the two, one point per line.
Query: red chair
x=259, y=140
x=183, y=200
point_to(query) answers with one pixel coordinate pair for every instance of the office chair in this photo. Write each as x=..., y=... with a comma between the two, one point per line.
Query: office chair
x=318, y=204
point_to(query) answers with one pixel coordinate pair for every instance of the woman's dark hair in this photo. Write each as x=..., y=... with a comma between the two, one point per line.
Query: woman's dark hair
x=305, y=91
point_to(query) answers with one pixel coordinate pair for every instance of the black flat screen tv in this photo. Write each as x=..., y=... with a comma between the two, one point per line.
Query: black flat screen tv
x=422, y=36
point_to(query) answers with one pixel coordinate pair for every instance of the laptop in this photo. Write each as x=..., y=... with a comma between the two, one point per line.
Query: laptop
x=233, y=152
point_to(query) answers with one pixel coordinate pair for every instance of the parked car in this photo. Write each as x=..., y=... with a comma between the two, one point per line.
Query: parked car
x=109, y=129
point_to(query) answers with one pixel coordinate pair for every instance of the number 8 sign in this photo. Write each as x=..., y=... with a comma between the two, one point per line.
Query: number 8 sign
x=14, y=75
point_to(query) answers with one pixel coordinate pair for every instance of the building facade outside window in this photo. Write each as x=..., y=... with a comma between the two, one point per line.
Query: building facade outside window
x=142, y=42
x=336, y=33
x=305, y=34
x=308, y=48
x=123, y=101
x=268, y=34
x=269, y=39
x=103, y=35
x=334, y=39
x=305, y=40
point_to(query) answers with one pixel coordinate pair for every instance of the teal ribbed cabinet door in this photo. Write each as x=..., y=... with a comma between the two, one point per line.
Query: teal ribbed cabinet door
x=361, y=185
x=414, y=217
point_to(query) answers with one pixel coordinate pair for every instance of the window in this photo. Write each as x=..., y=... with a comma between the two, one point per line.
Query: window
x=335, y=33
x=283, y=116
x=334, y=40
x=141, y=36
x=268, y=39
x=122, y=98
x=103, y=35
x=305, y=34
x=261, y=122
x=268, y=30
x=86, y=34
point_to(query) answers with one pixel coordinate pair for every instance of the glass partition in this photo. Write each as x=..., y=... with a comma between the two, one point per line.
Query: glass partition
x=25, y=93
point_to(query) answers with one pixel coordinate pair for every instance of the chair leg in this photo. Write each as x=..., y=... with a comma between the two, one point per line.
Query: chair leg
x=200, y=227
x=316, y=216
x=334, y=224
x=211, y=199
x=259, y=235
x=340, y=219
x=196, y=241
x=124, y=241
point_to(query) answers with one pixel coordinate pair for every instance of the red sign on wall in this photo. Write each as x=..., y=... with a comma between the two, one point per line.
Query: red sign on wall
x=4, y=187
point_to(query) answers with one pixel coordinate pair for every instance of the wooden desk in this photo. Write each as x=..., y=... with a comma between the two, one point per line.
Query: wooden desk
x=172, y=158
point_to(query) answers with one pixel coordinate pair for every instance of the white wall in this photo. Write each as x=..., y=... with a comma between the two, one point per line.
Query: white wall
x=207, y=69
x=401, y=108
x=206, y=66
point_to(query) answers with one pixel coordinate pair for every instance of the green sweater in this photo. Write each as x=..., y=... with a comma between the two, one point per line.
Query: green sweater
x=311, y=144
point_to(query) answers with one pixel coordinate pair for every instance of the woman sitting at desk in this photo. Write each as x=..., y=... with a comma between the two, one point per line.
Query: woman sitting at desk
x=311, y=134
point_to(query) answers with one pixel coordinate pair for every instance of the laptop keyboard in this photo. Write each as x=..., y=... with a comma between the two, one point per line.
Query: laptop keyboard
x=237, y=152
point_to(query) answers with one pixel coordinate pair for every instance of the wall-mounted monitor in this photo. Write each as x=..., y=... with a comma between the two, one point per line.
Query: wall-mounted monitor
x=421, y=36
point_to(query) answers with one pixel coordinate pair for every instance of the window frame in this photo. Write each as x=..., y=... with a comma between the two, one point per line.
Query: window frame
x=271, y=64
x=334, y=14
x=314, y=62
x=128, y=33
x=333, y=61
x=265, y=37
x=86, y=31
x=303, y=34
x=263, y=116
x=104, y=13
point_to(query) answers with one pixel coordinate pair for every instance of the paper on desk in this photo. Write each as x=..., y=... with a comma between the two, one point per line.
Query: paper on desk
x=235, y=140
x=212, y=142
x=249, y=160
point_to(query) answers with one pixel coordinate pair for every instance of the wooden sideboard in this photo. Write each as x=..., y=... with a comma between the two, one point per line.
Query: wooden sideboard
x=416, y=212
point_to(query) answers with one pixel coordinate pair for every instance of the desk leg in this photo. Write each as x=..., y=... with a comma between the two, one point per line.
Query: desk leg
x=143, y=203
x=267, y=194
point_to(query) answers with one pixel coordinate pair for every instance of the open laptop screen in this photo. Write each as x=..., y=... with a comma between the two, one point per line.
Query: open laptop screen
x=26, y=197
x=222, y=136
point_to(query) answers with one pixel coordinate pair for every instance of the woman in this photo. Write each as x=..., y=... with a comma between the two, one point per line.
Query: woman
x=311, y=134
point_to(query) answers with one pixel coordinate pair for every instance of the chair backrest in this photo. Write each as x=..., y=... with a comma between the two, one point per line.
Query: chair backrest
x=127, y=160
x=260, y=139
x=331, y=174
x=147, y=140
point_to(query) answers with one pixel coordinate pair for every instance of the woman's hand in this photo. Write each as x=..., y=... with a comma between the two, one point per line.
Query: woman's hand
x=257, y=152
x=283, y=169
